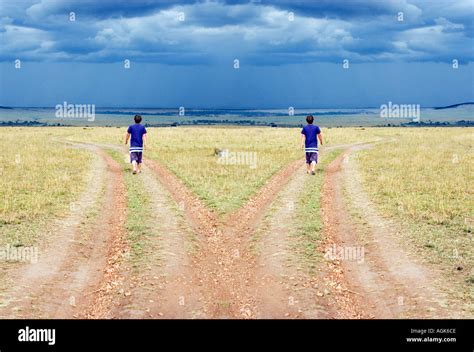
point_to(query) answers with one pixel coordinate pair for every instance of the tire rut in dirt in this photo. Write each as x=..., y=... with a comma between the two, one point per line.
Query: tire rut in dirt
x=283, y=286
x=412, y=291
x=386, y=283
x=164, y=285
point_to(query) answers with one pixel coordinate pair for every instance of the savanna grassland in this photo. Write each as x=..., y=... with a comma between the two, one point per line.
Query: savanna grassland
x=424, y=178
x=39, y=178
x=420, y=177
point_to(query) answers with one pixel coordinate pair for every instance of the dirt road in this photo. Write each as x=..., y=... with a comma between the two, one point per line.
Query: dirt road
x=200, y=265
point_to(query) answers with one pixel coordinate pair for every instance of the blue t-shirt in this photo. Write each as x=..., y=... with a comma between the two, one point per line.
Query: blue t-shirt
x=311, y=132
x=136, y=141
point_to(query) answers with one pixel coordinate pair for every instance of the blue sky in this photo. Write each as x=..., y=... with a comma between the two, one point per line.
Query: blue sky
x=290, y=53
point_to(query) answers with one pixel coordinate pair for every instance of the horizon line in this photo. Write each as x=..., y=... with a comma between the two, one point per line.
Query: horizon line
x=238, y=109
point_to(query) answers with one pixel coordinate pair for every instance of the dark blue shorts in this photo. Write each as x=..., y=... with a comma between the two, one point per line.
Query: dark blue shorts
x=311, y=156
x=136, y=156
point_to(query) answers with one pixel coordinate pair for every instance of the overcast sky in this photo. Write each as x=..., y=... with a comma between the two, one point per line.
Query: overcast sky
x=290, y=53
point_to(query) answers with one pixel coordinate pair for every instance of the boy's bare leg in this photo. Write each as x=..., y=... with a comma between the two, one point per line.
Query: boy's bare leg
x=308, y=168
x=313, y=166
x=139, y=165
x=134, y=164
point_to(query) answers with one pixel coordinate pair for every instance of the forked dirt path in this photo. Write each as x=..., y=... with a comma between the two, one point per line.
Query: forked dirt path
x=224, y=278
x=165, y=284
x=386, y=282
x=222, y=264
x=389, y=282
x=216, y=273
x=225, y=263
x=81, y=267
x=283, y=285
x=78, y=254
x=162, y=285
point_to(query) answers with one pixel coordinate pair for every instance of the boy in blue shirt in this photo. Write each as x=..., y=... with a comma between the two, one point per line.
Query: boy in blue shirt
x=137, y=135
x=309, y=141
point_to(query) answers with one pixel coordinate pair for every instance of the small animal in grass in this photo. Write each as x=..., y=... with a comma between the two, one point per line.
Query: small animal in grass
x=220, y=152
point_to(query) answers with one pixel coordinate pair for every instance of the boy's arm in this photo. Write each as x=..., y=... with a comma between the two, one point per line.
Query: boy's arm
x=127, y=137
x=303, y=140
x=320, y=137
x=145, y=141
